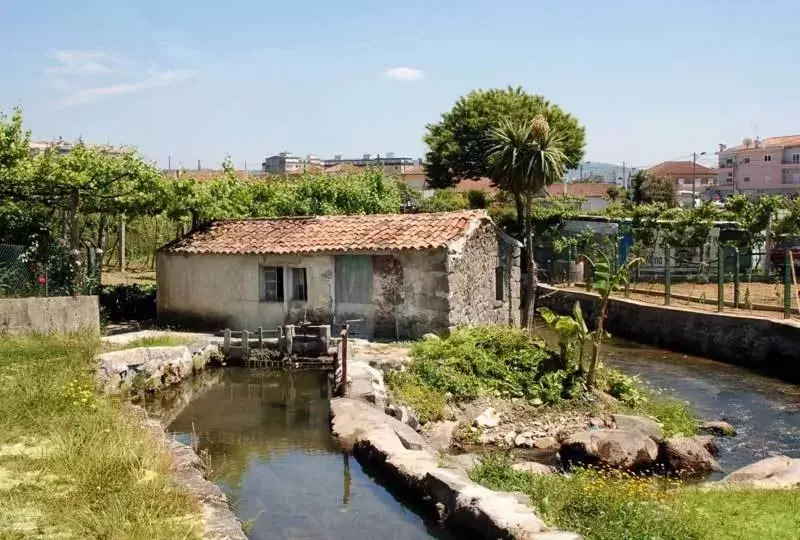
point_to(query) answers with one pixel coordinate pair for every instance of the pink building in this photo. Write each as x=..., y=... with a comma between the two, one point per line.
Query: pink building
x=756, y=167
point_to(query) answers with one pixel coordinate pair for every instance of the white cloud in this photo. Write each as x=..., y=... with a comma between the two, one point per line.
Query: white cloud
x=154, y=79
x=404, y=74
x=75, y=63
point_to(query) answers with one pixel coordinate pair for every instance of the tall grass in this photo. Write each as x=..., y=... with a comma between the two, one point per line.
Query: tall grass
x=77, y=465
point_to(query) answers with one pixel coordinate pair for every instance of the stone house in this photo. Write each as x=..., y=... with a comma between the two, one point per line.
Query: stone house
x=400, y=275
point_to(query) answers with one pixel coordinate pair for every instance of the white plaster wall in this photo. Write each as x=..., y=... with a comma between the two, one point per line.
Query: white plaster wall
x=220, y=291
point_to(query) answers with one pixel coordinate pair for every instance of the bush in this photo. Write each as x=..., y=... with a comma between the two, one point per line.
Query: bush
x=477, y=199
x=493, y=361
x=128, y=302
x=444, y=200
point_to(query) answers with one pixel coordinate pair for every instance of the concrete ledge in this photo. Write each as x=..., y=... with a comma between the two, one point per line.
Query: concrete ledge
x=399, y=454
x=51, y=315
x=766, y=345
x=149, y=368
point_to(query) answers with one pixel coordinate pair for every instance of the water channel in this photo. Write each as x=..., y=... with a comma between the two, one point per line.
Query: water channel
x=268, y=438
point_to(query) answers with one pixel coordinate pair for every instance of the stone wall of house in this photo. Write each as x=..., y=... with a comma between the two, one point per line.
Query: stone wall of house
x=410, y=293
x=472, y=278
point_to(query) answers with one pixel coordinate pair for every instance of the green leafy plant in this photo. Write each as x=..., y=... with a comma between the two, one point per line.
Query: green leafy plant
x=572, y=333
x=605, y=282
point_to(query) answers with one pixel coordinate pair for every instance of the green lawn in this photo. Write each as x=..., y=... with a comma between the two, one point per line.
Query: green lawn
x=72, y=463
x=618, y=506
x=155, y=341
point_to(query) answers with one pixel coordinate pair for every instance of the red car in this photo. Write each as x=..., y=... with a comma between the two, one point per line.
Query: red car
x=778, y=254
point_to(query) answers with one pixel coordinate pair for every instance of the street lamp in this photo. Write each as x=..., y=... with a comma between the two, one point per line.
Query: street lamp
x=580, y=168
x=694, y=168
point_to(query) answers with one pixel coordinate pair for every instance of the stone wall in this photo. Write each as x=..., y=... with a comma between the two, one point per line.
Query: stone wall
x=472, y=278
x=767, y=345
x=52, y=315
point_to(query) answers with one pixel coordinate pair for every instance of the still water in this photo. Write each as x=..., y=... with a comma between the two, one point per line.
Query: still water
x=268, y=438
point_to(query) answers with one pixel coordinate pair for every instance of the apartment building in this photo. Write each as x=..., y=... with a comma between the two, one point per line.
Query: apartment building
x=287, y=163
x=63, y=147
x=759, y=167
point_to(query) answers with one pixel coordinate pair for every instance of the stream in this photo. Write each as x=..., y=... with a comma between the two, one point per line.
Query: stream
x=268, y=440
x=267, y=436
x=764, y=411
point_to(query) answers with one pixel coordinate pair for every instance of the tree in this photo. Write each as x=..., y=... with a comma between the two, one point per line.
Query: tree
x=459, y=144
x=649, y=188
x=525, y=157
x=615, y=193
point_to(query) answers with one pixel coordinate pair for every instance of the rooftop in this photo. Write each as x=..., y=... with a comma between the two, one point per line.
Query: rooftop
x=579, y=189
x=770, y=142
x=479, y=184
x=329, y=234
x=680, y=168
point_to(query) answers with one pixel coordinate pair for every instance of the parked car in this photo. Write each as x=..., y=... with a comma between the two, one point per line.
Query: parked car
x=778, y=253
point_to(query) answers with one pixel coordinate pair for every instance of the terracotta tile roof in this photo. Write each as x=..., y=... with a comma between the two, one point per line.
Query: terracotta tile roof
x=414, y=169
x=579, y=189
x=343, y=168
x=481, y=184
x=770, y=142
x=680, y=168
x=376, y=232
x=204, y=175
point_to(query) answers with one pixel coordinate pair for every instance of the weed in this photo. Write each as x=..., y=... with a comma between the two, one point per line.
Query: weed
x=407, y=388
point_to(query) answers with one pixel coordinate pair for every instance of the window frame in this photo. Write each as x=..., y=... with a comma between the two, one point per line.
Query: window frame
x=747, y=160
x=294, y=272
x=746, y=179
x=279, y=285
x=499, y=284
x=768, y=157
x=795, y=157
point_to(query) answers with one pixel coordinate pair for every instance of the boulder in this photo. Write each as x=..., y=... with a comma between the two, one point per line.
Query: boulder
x=440, y=436
x=462, y=461
x=545, y=443
x=430, y=337
x=618, y=449
x=532, y=467
x=687, y=455
x=524, y=440
x=509, y=438
x=718, y=427
x=354, y=420
x=487, y=419
x=403, y=413
x=709, y=443
x=642, y=424
x=778, y=472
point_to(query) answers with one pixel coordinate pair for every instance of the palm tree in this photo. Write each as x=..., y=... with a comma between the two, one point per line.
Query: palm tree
x=526, y=157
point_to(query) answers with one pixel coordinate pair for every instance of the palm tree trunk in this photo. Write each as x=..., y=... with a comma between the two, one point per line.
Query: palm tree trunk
x=529, y=290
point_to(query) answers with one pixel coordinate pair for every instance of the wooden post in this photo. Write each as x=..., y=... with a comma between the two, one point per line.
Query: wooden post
x=667, y=274
x=720, y=278
x=226, y=343
x=343, y=386
x=794, y=280
x=260, y=339
x=736, y=279
x=787, y=284
x=246, y=345
x=122, y=261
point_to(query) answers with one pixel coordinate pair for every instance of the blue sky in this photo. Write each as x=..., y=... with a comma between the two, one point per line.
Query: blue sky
x=199, y=80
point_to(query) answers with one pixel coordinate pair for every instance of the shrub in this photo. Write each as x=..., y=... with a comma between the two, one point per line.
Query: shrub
x=477, y=199
x=491, y=361
x=444, y=200
x=128, y=302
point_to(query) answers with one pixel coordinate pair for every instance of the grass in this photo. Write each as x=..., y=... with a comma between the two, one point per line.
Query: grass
x=73, y=463
x=676, y=416
x=614, y=505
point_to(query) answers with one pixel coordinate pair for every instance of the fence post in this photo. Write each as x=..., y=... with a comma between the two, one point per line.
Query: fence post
x=226, y=342
x=720, y=278
x=569, y=265
x=736, y=278
x=245, y=344
x=260, y=338
x=667, y=274
x=787, y=285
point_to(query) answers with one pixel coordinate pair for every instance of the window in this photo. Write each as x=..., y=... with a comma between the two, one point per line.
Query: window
x=299, y=285
x=730, y=177
x=746, y=178
x=729, y=161
x=499, y=281
x=767, y=158
x=795, y=158
x=273, y=284
x=747, y=160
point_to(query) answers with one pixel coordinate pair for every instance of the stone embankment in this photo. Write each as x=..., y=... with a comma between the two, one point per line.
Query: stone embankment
x=396, y=452
x=152, y=368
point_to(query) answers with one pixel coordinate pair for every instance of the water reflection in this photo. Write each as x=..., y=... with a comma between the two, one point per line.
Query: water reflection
x=268, y=438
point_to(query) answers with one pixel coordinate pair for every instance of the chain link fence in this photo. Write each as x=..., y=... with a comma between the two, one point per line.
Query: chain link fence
x=28, y=271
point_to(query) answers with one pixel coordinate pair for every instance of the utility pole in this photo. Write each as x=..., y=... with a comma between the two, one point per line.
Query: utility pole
x=694, y=181
x=169, y=163
x=198, y=164
x=624, y=181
